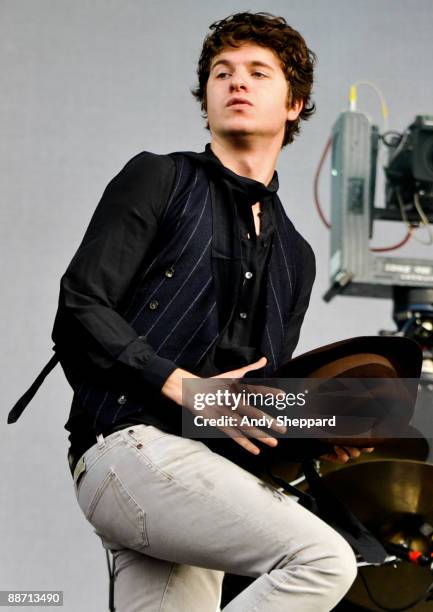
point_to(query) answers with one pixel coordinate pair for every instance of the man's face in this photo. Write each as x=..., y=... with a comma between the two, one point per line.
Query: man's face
x=247, y=93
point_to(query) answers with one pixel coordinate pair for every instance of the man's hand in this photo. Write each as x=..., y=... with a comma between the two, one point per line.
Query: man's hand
x=342, y=454
x=173, y=390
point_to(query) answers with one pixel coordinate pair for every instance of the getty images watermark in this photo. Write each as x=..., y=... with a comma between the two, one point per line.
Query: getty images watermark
x=236, y=401
x=313, y=408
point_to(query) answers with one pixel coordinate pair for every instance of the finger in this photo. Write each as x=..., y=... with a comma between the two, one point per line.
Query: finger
x=326, y=457
x=253, y=412
x=260, y=363
x=240, y=372
x=370, y=449
x=240, y=439
x=255, y=432
x=352, y=451
x=341, y=454
x=277, y=427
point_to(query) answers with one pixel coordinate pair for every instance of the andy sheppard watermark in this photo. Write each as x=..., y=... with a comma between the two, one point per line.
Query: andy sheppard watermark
x=234, y=400
x=312, y=408
x=264, y=421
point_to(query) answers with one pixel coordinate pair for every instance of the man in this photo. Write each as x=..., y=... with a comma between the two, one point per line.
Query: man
x=191, y=269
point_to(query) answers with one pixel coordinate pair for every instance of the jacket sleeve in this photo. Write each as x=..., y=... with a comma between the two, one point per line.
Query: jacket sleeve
x=307, y=275
x=107, y=261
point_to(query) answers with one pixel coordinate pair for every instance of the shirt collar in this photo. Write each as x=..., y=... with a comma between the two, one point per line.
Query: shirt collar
x=249, y=189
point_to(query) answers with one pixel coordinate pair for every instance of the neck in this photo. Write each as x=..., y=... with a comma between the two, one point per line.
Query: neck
x=252, y=160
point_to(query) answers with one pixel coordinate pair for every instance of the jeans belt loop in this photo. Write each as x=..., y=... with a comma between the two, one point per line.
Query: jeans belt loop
x=101, y=441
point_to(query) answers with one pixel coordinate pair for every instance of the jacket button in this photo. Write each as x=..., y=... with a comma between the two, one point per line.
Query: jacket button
x=243, y=315
x=169, y=273
x=139, y=446
x=248, y=275
x=153, y=305
x=122, y=399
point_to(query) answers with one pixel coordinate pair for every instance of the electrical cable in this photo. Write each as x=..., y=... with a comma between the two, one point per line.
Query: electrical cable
x=322, y=215
x=402, y=138
x=316, y=183
x=424, y=220
x=395, y=246
x=383, y=138
x=353, y=99
x=385, y=114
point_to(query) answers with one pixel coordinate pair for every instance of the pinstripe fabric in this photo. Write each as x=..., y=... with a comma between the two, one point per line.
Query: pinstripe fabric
x=175, y=292
x=281, y=287
x=175, y=305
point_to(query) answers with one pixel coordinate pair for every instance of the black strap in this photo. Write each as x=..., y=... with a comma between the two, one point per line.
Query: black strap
x=334, y=512
x=112, y=577
x=329, y=508
x=305, y=499
x=25, y=399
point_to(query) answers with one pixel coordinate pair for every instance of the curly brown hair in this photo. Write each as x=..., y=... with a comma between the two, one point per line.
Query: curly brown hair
x=297, y=60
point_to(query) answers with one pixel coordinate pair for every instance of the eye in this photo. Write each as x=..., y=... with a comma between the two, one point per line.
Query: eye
x=222, y=75
x=258, y=73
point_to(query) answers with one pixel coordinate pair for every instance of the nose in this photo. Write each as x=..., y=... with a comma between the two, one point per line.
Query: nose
x=237, y=83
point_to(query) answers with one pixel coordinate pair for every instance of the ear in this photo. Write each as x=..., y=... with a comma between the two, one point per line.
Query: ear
x=295, y=109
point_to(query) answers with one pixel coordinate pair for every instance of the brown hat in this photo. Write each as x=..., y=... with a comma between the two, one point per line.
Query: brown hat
x=390, y=367
x=403, y=355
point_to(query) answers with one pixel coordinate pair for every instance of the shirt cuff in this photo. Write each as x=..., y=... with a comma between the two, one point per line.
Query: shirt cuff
x=157, y=370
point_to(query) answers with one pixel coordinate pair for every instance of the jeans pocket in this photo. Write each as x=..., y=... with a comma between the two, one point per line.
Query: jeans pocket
x=115, y=514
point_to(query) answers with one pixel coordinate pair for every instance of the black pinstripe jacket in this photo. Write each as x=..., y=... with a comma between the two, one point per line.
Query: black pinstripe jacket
x=150, y=287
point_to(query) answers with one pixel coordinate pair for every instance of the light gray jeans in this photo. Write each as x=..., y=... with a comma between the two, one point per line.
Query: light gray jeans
x=177, y=516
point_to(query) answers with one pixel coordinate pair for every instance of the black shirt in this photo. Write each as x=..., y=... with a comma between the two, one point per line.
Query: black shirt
x=239, y=342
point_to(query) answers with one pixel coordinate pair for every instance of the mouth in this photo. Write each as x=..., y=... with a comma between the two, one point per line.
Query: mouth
x=238, y=102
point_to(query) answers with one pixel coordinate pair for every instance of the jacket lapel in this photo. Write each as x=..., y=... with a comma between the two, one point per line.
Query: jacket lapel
x=226, y=249
x=226, y=253
x=279, y=290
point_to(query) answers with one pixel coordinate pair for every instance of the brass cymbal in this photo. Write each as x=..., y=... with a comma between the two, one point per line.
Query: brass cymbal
x=416, y=449
x=394, y=498
x=391, y=492
x=384, y=490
